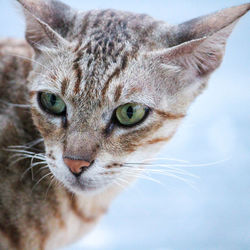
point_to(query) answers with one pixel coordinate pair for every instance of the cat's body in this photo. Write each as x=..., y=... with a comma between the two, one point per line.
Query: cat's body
x=96, y=62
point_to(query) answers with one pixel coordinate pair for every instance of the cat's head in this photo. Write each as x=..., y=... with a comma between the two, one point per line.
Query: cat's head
x=109, y=88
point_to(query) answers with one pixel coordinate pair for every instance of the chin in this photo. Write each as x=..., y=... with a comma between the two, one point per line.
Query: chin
x=79, y=187
x=84, y=186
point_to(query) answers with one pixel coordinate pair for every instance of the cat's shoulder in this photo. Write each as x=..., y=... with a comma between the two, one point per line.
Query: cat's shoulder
x=15, y=55
x=14, y=46
x=15, y=120
x=15, y=65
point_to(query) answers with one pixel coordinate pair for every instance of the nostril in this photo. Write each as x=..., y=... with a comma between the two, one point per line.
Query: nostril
x=91, y=163
x=81, y=170
x=84, y=168
x=76, y=174
x=76, y=166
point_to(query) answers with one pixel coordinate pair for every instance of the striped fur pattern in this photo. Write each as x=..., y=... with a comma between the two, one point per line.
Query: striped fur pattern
x=95, y=61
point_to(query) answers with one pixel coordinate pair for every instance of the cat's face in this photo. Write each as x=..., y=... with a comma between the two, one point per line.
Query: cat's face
x=107, y=91
x=89, y=127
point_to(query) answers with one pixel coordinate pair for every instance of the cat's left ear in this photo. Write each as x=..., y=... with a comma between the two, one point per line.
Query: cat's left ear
x=197, y=46
x=47, y=22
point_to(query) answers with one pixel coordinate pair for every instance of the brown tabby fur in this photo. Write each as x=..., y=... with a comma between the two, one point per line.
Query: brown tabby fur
x=95, y=61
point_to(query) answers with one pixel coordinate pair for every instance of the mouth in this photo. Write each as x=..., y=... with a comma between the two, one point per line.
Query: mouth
x=86, y=183
x=83, y=185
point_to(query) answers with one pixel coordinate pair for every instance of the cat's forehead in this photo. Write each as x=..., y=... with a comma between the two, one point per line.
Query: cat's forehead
x=106, y=44
x=108, y=34
x=115, y=25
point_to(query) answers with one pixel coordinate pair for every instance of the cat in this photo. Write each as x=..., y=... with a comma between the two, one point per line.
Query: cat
x=84, y=100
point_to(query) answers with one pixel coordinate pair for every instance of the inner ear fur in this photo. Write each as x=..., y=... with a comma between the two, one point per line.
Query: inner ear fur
x=198, y=45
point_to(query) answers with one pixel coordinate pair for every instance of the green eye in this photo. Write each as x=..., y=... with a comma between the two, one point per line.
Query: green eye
x=131, y=114
x=52, y=103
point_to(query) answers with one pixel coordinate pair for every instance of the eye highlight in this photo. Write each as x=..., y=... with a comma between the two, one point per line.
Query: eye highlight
x=131, y=114
x=52, y=103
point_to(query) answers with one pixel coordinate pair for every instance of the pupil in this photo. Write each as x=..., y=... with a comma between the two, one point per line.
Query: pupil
x=130, y=112
x=53, y=100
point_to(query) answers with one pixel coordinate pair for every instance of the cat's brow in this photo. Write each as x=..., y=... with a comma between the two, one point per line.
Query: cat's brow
x=133, y=90
x=116, y=72
x=106, y=85
x=78, y=72
x=168, y=115
x=118, y=92
x=65, y=83
x=127, y=139
x=157, y=140
x=149, y=129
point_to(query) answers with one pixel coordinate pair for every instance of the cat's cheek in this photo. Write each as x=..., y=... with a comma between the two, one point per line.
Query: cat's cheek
x=54, y=151
x=58, y=168
x=46, y=127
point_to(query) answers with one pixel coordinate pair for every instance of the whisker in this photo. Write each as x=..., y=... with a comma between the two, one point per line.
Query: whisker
x=23, y=151
x=32, y=164
x=161, y=158
x=119, y=183
x=28, y=156
x=39, y=163
x=160, y=167
x=155, y=170
x=41, y=169
x=22, y=157
x=190, y=183
x=123, y=180
x=31, y=167
x=170, y=174
x=15, y=104
x=44, y=167
x=141, y=176
x=171, y=170
x=46, y=175
x=179, y=165
x=27, y=145
x=51, y=182
x=17, y=160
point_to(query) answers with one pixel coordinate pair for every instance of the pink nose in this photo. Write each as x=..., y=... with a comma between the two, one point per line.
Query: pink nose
x=76, y=166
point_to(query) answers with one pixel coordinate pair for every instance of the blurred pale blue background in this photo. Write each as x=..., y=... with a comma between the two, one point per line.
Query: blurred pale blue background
x=216, y=213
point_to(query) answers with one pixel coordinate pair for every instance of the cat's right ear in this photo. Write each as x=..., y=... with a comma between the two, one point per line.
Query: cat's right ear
x=197, y=47
x=47, y=22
